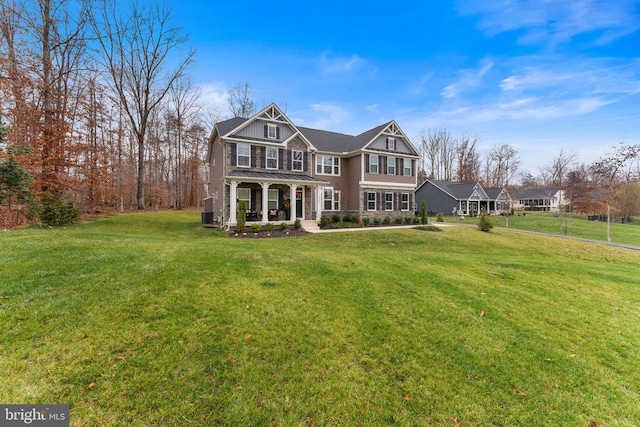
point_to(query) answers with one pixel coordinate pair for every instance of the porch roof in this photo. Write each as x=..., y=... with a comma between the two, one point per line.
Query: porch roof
x=275, y=177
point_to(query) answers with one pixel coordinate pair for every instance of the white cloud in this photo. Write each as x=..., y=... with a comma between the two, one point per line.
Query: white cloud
x=325, y=115
x=340, y=64
x=555, y=21
x=469, y=79
x=213, y=96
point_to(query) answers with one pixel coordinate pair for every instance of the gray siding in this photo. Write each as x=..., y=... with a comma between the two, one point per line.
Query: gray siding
x=256, y=131
x=437, y=200
x=380, y=143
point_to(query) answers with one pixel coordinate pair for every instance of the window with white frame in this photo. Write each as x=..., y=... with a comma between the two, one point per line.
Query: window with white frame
x=272, y=131
x=297, y=163
x=374, y=161
x=371, y=200
x=391, y=165
x=273, y=201
x=406, y=163
x=404, y=201
x=388, y=201
x=244, y=155
x=244, y=195
x=331, y=199
x=391, y=144
x=327, y=165
x=272, y=158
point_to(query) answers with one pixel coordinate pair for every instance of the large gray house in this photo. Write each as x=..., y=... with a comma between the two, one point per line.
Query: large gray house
x=285, y=172
x=461, y=198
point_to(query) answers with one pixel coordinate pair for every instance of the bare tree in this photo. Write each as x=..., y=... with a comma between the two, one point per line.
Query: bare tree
x=502, y=164
x=606, y=171
x=468, y=160
x=559, y=169
x=438, y=149
x=135, y=50
x=241, y=102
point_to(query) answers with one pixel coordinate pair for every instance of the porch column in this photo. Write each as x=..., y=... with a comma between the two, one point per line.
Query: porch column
x=265, y=201
x=233, y=206
x=292, y=192
x=319, y=198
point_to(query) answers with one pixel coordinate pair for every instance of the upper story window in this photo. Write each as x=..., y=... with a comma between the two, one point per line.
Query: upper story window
x=327, y=165
x=244, y=155
x=391, y=165
x=406, y=167
x=297, y=163
x=391, y=144
x=374, y=160
x=272, y=158
x=271, y=131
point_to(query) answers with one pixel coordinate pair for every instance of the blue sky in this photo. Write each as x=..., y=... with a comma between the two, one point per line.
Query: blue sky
x=539, y=75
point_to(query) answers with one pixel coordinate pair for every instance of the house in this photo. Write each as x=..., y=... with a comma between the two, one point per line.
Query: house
x=462, y=198
x=543, y=199
x=285, y=172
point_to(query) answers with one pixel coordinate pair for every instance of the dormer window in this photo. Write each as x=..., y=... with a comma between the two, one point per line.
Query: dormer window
x=391, y=144
x=271, y=131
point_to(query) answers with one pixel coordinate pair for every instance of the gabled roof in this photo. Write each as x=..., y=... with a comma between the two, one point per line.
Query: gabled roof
x=494, y=192
x=322, y=140
x=537, y=193
x=457, y=190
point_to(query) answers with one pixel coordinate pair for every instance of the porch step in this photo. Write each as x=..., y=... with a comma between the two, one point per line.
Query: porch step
x=310, y=226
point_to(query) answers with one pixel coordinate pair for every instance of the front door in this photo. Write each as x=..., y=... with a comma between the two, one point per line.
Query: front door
x=299, y=204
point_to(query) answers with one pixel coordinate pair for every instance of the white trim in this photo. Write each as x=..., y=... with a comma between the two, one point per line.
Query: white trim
x=387, y=185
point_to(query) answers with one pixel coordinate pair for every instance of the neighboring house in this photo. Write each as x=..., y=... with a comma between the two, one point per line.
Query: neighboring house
x=543, y=199
x=286, y=172
x=459, y=198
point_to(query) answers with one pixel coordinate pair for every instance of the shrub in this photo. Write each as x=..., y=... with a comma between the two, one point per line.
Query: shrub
x=284, y=226
x=398, y=220
x=423, y=213
x=408, y=219
x=297, y=224
x=54, y=211
x=335, y=218
x=386, y=220
x=366, y=220
x=416, y=220
x=324, y=221
x=269, y=227
x=484, y=223
x=350, y=218
x=255, y=227
x=377, y=221
x=440, y=217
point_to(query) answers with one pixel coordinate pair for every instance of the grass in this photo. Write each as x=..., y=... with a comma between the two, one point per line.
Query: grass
x=147, y=319
x=576, y=226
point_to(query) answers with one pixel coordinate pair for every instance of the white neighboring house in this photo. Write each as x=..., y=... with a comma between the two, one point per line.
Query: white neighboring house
x=544, y=199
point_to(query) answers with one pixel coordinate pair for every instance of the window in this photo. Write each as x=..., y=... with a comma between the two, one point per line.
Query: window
x=272, y=158
x=404, y=198
x=391, y=144
x=327, y=165
x=391, y=165
x=272, y=131
x=371, y=200
x=373, y=163
x=297, y=163
x=331, y=199
x=388, y=201
x=407, y=167
x=244, y=155
x=273, y=201
x=244, y=194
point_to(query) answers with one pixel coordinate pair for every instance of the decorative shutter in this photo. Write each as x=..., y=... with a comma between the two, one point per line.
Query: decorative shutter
x=254, y=152
x=266, y=131
x=280, y=158
x=263, y=157
x=383, y=164
x=234, y=154
x=280, y=199
x=365, y=202
x=253, y=201
x=399, y=164
x=277, y=132
x=379, y=201
x=290, y=160
x=387, y=143
x=305, y=162
x=366, y=162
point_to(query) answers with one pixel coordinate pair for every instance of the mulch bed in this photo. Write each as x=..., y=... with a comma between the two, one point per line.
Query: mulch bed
x=263, y=234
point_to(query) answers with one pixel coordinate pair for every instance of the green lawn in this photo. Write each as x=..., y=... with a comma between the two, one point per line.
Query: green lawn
x=576, y=226
x=148, y=319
